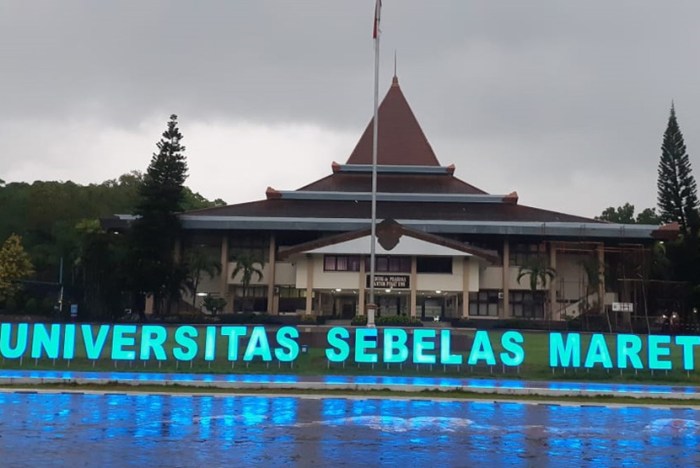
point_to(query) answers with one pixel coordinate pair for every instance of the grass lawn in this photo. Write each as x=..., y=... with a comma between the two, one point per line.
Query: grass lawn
x=314, y=362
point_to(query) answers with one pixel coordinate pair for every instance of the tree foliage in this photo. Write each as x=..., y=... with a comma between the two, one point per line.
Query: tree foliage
x=625, y=215
x=153, y=267
x=246, y=266
x=198, y=263
x=537, y=271
x=676, y=188
x=15, y=266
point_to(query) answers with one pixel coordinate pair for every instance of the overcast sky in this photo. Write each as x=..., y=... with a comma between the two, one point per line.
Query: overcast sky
x=565, y=102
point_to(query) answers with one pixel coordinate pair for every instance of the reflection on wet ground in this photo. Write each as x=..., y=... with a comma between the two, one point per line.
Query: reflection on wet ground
x=158, y=430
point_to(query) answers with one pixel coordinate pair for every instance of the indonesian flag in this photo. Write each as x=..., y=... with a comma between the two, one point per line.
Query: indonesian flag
x=377, y=11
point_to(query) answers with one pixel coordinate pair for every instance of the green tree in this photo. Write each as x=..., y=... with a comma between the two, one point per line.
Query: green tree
x=537, y=271
x=154, y=269
x=15, y=266
x=214, y=304
x=622, y=214
x=100, y=270
x=625, y=215
x=199, y=263
x=677, y=192
x=246, y=265
x=648, y=216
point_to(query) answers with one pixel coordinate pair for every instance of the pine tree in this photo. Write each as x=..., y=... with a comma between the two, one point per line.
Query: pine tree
x=677, y=192
x=154, y=234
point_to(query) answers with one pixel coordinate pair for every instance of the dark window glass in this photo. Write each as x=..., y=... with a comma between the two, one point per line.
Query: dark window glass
x=483, y=303
x=527, y=304
x=434, y=264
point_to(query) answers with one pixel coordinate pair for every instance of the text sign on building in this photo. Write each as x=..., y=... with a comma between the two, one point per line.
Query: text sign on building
x=390, y=281
x=622, y=307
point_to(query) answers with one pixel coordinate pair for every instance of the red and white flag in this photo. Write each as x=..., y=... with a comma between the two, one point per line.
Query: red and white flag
x=377, y=11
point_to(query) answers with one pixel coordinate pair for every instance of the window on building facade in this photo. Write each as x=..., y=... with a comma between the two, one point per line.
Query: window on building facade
x=522, y=254
x=390, y=264
x=257, y=246
x=483, y=303
x=527, y=304
x=341, y=263
x=434, y=265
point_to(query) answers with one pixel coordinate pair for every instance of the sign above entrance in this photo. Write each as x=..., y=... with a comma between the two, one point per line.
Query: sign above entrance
x=390, y=281
x=622, y=307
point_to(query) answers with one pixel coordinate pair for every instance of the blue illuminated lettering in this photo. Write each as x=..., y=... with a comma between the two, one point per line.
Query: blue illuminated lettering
x=564, y=353
x=420, y=346
x=124, y=336
x=446, y=356
x=395, y=349
x=628, y=349
x=233, y=334
x=258, y=345
x=513, y=354
x=481, y=349
x=210, y=344
x=687, y=342
x=598, y=352
x=287, y=340
x=69, y=342
x=339, y=348
x=656, y=350
x=365, y=339
x=43, y=340
x=94, y=345
x=20, y=347
x=187, y=346
x=152, y=339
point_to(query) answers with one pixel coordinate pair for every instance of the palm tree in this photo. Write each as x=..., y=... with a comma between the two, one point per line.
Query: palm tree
x=198, y=263
x=538, y=271
x=246, y=265
x=591, y=267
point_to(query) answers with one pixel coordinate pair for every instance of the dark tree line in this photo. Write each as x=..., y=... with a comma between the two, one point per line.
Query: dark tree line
x=60, y=230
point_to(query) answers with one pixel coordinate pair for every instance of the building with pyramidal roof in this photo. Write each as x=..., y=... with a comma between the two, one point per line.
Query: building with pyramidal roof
x=446, y=248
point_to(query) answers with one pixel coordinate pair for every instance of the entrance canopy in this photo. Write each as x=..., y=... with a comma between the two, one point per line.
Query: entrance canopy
x=406, y=246
x=392, y=239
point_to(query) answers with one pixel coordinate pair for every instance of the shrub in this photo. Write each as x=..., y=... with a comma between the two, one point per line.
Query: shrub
x=402, y=320
x=249, y=318
x=31, y=307
x=359, y=320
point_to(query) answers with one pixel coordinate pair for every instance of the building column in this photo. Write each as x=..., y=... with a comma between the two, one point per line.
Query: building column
x=553, y=280
x=271, y=277
x=465, y=287
x=223, y=287
x=309, y=284
x=414, y=287
x=506, y=279
x=601, y=278
x=361, y=289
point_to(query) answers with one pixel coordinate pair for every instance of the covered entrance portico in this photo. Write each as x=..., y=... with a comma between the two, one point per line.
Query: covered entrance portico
x=421, y=275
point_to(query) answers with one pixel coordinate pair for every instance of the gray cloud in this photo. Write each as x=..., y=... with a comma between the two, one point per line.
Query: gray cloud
x=565, y=102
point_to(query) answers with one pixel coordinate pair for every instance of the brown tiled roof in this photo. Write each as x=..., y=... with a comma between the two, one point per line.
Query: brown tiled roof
x=393, y=183
x=401, y=140
x=395, y=210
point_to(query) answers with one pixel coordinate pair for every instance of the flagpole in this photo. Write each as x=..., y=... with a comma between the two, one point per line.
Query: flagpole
x=372, y=306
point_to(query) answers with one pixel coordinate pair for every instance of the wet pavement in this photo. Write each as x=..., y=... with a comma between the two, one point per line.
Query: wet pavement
x=412, y=384
x=59, y=429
